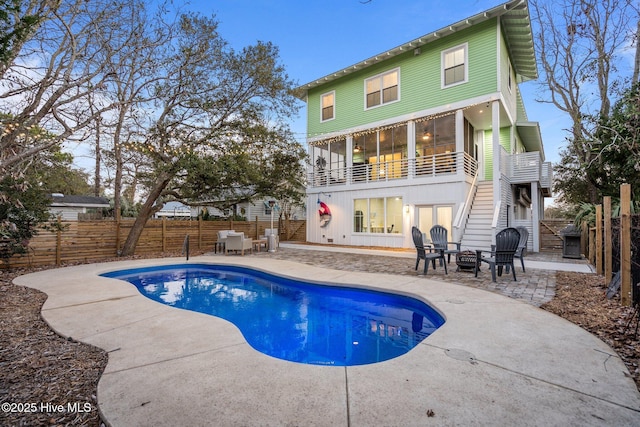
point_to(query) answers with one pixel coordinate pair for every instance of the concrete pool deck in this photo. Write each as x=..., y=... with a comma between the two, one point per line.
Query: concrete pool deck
x=496, y=360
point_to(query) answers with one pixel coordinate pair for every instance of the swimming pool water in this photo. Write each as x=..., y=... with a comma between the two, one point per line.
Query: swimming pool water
x=291, y=319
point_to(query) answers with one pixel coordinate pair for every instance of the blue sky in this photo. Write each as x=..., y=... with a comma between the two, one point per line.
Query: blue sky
x=317, y=37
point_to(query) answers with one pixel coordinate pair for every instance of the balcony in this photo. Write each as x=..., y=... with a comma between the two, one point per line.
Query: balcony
x=527, y=167
x=422, y=167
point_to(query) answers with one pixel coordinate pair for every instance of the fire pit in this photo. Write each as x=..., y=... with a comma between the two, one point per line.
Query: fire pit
x=466, y=260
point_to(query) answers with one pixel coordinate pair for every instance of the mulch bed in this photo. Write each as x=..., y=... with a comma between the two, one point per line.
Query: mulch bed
x=581, y=299
x=46, y=379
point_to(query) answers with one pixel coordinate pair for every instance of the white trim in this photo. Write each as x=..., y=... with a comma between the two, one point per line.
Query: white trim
x=380, y=76
x=333, y=106
x=465, y=47
x=410, y=116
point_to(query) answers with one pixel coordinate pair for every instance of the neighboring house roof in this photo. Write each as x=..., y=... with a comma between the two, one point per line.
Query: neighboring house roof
x=79, y=201
x=174, y=209
x=516, y=27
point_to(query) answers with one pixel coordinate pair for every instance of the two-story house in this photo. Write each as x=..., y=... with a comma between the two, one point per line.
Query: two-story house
x=430, y=132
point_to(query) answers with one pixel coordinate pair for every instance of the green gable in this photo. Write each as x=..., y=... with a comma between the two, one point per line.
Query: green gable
x=420, y=82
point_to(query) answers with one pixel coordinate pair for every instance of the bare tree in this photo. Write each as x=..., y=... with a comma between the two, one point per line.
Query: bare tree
x=578, y=44
x=636, y=62
x=46, y=89
x=19, y=20
x=214, y=101
x=135, y=55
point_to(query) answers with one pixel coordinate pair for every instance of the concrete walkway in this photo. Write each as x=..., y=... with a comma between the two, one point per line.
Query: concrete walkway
x=496, y=360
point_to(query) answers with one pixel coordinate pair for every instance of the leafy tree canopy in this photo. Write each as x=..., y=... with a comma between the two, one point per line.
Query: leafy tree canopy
x=22, y=208
x=617, y=147
x=614, y=159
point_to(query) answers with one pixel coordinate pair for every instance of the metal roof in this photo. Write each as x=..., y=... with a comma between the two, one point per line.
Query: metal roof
x=516, y=26
x=85, y=201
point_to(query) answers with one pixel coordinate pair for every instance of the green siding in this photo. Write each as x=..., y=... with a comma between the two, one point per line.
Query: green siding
x=505, y=139
x=488, y=155
x=420, y=82
x=510, y=95
x=505, y=142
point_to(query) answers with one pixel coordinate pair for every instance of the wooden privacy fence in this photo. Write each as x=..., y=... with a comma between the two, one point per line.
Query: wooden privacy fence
x=613, y=245
x=85, y=241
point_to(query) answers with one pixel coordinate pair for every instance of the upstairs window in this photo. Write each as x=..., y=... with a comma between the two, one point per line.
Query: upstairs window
x=328, y=103
x=454, y=66
x=382, y=89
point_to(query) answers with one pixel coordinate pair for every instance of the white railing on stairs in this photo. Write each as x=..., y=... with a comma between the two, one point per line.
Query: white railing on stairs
x=465, y=207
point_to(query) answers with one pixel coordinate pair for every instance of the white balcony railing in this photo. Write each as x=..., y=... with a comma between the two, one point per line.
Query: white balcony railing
x=426, y=166
x=529, y=167
x=546, y=179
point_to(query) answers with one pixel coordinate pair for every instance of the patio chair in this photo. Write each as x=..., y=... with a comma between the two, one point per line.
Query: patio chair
x=237, y=242
x=439, y=238
x=426, y=253
x=522, y=245
x=502, y=256
x=222, y=239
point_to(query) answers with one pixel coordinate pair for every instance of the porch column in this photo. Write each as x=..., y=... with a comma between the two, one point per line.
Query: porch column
x=535, y=215
x=349, y=164
x=460, y=142
x=495, y=143
x=411, y=149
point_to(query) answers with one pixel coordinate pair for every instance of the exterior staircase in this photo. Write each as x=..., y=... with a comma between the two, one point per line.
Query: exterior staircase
x=551, y=240
x=477, y=234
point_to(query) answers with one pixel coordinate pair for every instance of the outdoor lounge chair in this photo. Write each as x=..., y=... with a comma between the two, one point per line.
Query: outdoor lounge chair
x=237, y=242
x=439, y=239
x=522, y=245
x=426, y=253
x=222, y=239
x=502, y=256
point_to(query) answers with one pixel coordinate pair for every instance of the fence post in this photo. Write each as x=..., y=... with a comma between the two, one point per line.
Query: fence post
x=592, y=245
x=118, y=236
x=608, y=255
x=59, y=241
x=584, y=239
x=164, y=234
x=257, y=228
x=599, y=239
x=199, y=233
x=625, y=244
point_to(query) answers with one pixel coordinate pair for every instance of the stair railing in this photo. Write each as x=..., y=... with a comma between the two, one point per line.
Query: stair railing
x=463, y=211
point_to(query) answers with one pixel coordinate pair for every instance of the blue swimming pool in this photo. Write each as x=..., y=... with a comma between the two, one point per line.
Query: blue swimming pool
x=290, y=319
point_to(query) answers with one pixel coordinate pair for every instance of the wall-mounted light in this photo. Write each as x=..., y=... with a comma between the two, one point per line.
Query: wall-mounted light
x=406, y=208
x=357, y=149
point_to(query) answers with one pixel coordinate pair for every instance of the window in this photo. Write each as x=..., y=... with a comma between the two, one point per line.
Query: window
x=381, y=154
x=382, y=89
x=428, y=216
x=378, y=215
x=454, y=66
x=329, y=162
x=436, y=146
x=328, y=102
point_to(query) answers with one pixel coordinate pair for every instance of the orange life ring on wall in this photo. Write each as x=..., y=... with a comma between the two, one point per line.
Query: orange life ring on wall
x=325, y=214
